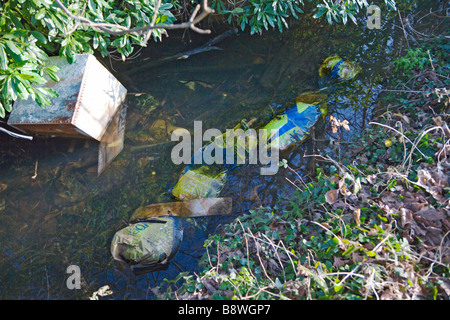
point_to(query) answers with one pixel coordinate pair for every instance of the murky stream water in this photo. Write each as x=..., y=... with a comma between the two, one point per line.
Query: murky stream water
x=55, y=211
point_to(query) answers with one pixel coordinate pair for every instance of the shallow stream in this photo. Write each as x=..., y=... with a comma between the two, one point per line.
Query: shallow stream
x=55, y=211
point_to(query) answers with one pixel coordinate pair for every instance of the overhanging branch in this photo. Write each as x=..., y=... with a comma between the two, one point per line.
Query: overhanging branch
x=116, y=29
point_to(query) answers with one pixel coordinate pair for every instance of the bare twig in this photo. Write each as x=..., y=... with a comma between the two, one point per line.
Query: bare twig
x=403, y=136
x=431, y=60
x=115, y=29
x=152, y=24
x=35, y=170
x=404, y=31
x=77, y=24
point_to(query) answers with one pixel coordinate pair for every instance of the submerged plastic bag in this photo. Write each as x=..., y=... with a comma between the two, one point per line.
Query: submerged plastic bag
x=202, y=182
x=293, y=125
x=334, y=67
x=148, y=245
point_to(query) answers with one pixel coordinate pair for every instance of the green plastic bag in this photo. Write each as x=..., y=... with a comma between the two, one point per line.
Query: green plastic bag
x=148, y=245
x=202, y=182
x=334, y=67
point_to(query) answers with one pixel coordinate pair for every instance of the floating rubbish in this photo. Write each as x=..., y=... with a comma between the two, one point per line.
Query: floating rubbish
x=89, y=97
x=103, y=291
x=200, y=182
x=190, y=208
x=289, y=128
x=292, y=126
x=148, y=246
x=155, y=237
x=89, y=106
x=334, y=67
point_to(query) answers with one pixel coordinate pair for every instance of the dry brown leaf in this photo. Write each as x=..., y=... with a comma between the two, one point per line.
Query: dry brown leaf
x=438, y=121
x=344, y=190
x=331, y=196
x=338, y=262
x=356, y=216
x=430, y=214
x=344, y=124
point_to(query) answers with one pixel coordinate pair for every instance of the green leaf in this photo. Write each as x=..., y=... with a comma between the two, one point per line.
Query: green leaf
x=338, y=288
x=371, y=254
x=7, y=107
x=9, y=90
x=319, y=14
x=11, y=46
x=52, y=74
x=22, y=92
x=95, y=41
x=48, y=92
x=16, y=21
x=40, y=14
x=329, y=17
x=40, y=98
x=353, y=18
x=3, y=58
x=2, y=111
x=39, y=36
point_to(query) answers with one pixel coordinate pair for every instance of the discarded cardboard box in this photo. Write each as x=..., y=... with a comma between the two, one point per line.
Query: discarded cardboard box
x=111, y=143
x=89, y=97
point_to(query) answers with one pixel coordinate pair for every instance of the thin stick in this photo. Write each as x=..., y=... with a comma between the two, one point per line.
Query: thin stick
x=404, y=31
x=431, y=60
x=152, y=24
x=405, y=137
x=35, y=170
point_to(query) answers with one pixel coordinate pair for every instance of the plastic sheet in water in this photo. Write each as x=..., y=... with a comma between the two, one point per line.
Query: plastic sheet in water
x=284, y=130
x=202, y=182
x=336, y=68
x=293, y=125
x=189, y=208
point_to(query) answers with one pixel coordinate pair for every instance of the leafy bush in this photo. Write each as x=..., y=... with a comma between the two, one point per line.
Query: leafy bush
x=262, y=14
x=413, y=59
x=258, y=14
x=30, y=31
